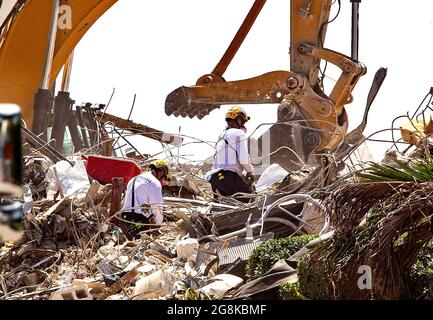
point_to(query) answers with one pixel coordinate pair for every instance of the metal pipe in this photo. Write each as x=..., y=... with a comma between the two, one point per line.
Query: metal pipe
x=238, y=232
x=355, y=29
x=67, y=71
x=239, y=38
x=51, y=45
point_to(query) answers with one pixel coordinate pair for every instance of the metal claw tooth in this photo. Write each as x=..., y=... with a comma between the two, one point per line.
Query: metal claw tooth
x=189, y=109
x=201, y=113
x=175, y=101
x=208, y=110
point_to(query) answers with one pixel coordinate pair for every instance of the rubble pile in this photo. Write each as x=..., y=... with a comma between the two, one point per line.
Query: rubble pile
x=311, y=233
x=73, y=248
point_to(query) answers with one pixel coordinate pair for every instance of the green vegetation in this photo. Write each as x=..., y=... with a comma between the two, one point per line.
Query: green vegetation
x=290, y=291
x=267, y=254
x=421, y=274
x=415, y=170
x=313, y=282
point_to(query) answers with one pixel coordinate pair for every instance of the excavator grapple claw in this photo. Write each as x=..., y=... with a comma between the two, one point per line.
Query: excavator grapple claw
x=201, y=99
x=179, y=103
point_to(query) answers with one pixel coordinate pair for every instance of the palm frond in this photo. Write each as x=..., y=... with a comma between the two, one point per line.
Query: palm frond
x=420, y=170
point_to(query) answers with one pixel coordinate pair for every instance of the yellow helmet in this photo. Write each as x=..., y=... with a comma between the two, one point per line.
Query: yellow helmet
x=160, y=164
x=235, y=112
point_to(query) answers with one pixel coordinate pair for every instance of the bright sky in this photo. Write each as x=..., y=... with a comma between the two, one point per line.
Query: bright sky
x=5, y=8
x=153, y=47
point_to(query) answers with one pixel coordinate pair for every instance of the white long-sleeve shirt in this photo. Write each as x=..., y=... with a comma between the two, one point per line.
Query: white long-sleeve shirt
x=232, y=152
x=148, y=190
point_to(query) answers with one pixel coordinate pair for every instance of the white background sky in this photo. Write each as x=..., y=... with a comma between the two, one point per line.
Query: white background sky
x=153, y=47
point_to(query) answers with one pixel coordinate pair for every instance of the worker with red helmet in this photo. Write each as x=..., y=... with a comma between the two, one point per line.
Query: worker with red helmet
x=232, y=159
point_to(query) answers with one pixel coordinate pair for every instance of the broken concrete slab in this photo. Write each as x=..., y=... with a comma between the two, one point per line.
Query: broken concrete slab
x=73, y=293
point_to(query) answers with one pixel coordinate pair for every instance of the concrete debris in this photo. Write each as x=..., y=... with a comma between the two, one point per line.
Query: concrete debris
x=220, y=284
x=73, y=293
x=155, y=285
x=187, y=248
x=74, y=249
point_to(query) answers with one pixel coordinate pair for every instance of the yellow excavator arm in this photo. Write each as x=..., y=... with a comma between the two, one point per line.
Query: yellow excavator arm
x=24, y=46
x=309, y=121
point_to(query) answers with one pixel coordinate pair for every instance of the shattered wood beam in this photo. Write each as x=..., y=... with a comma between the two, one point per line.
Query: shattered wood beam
x=56, y=208
x=107, y=143
x=91, y=124
x=83, y=128
x=159, y=255
x=119, y=284
x=116, y=195
x=139, y=129
x=61, y=108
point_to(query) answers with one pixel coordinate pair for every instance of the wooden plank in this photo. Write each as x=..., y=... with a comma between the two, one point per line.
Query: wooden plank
x=90, y=124
x=116, y=195
x=119, y=284
x=83, y=128
x=159, y=255
x=59, y=121
x=75, y=134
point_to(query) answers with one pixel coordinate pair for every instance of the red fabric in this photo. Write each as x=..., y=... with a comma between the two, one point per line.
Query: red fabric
x=104, y=169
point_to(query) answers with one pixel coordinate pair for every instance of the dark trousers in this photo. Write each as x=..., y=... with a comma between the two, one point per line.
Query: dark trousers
x=131, y=230
x=227, y=183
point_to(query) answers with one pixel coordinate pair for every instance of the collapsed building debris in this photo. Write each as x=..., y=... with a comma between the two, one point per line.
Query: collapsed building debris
x=302, y=235
x=317, y=215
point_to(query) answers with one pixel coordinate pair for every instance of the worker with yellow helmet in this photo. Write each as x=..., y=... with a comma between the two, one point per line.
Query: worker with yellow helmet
x=145, y=190
x=231, y=157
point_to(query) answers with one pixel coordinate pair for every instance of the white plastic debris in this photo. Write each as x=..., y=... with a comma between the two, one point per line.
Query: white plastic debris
x=189, y=269
x=271, y=175
x=70, y=180
x=221, y=284
x=186, y=248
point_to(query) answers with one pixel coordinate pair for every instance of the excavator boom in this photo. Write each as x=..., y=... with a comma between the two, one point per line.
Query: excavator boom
x=24, y=44
x=309, y=121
